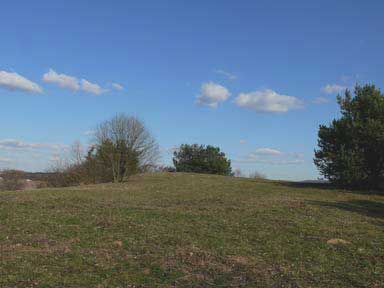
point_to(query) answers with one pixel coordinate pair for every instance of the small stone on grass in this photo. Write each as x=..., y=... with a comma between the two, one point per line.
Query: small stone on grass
x=118, y=244
x=337, y=241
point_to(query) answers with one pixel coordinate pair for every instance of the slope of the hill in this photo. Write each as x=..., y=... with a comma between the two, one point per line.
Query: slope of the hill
x=189, y=230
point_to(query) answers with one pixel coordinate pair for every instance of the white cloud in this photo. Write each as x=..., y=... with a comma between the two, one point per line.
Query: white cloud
x=243, y=141
x=212, y=94
x=284, y=162
x=267, y=101
x=257, y=160
x=14, y=81
x=64, y=81
x=229, y=75
x=333, y=88
x=117, y=86
x=267, y=151
x=320, y=100
x=13, y=144
x=72, y=82
x=4, y=160
x=91, y=87
x=271, y=157
x=89, y=132
x=55, y=159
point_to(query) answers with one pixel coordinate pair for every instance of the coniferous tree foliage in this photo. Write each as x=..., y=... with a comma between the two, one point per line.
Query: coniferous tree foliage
x=201, y=159
x=351, y=148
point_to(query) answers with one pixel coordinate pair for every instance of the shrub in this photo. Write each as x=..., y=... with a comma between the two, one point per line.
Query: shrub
x=109, y=162
x=200, y=159
x=162, y=168
x=122, y=147
x=12, y=180
x=257, y=175
x=71, y=175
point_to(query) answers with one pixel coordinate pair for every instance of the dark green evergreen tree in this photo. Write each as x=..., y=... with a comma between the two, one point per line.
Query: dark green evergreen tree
x=200, y=159
x=351, y=148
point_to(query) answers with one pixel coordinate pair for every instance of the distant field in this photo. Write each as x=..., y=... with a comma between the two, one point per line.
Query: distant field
x=189, y=230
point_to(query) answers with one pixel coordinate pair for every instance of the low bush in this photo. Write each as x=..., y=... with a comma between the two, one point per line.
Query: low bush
x=12, y=180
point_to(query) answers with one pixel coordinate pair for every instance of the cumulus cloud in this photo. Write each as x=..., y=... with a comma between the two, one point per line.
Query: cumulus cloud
x=333, y=88
x=64, y=81
x=13, y=144
x=91, y=87
x=72, y=82
x=267, y=100
x=212, y=94
x=13, y=81
x=320, y=100
x=228, y=75
x=117, y=86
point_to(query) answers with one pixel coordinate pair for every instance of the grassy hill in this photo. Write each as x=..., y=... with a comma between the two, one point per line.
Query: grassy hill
x=188, y=230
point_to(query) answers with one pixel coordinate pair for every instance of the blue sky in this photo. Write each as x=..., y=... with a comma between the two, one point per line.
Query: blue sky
x=253, y=77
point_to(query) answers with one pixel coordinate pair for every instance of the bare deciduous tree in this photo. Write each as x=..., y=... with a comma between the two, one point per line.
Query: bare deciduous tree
x=124, y=142
x=77, y=154
x=238, y=173
x=257, y=175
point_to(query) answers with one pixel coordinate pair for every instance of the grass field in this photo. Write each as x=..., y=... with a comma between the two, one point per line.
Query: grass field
x=188, y=230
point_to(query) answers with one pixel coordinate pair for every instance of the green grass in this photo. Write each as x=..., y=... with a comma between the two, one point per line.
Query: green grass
x=188, y=230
